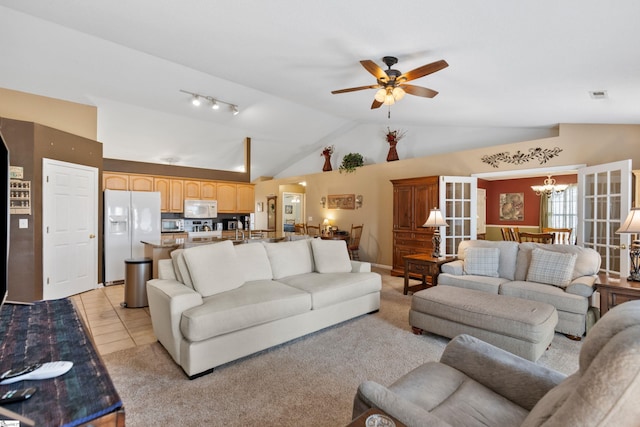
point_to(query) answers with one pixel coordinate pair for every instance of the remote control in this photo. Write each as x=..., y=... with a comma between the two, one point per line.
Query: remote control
x=13, y=396
x=41, y=372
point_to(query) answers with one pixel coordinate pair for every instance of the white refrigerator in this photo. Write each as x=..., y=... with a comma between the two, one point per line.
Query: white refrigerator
x=129, y=217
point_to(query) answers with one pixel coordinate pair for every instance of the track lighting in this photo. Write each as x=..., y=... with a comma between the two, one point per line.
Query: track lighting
x=214, y=102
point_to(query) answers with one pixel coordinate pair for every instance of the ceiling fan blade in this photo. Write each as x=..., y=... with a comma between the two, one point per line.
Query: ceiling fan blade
x=374, y=69
x=376, y=104
x=353, y=89
x=423, y=71
x=419, y=91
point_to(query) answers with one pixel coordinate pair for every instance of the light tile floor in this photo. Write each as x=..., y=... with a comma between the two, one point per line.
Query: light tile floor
x=113, y=327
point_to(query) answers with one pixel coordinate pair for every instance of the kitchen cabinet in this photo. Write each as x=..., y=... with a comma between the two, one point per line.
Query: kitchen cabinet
x=141, y=183
x=115, y=181
x=412, y=200
x=171, y=194
x=191, y=189
x=227, y=197
x=208, y=190
x=245, y=198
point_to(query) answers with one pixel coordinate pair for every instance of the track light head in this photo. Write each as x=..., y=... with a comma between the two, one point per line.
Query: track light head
x=234, y=110
x=196, y=100
x=214, y=104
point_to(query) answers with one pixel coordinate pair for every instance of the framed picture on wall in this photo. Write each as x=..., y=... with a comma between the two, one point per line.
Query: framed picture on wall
x=288, y=209
x=511, y=206
x=342, y=201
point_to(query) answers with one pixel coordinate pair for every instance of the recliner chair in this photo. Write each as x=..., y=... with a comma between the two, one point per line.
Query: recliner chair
x=477, y=384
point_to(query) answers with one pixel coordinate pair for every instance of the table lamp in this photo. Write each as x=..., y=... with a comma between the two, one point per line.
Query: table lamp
x=326, y=225
x=436, y=221
x=632, y=226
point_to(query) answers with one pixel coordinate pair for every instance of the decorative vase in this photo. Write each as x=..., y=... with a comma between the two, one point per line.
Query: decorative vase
x=327, y=163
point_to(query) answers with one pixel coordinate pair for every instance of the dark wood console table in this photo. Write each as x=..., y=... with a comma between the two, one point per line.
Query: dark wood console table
x=48, y=331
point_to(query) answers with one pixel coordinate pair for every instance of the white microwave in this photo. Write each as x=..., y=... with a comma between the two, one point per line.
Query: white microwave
x=200, y=208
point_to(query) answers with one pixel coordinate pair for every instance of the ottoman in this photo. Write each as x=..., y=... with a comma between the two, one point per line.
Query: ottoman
x=523, y=327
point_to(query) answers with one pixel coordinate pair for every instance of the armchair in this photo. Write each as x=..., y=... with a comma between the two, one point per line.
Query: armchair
x=477, y=384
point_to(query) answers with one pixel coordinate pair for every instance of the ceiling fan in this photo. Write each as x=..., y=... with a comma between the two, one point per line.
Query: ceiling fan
x=392, y=83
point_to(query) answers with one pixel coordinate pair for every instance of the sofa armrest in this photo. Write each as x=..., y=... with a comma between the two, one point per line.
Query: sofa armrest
x=454, y=267
x=583, y=286
x=513, y=377
x=168, y=299
x=360, y=267
x=373, y=395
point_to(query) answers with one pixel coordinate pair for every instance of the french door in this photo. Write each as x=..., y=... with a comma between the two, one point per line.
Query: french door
x=604, y=200
x=459, y=207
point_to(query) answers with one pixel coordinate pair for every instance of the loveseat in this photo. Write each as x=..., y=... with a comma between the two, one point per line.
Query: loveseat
x=216, y=303
x=560, y=275
x=477, y=384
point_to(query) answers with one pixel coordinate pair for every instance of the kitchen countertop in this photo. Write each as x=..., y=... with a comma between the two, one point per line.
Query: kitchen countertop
x=196, y=241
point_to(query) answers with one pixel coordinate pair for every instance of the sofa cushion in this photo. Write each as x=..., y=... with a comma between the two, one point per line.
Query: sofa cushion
x=251, y=304
x=557, y=297
x=180, y=267
x=552, y=268
x=508, y=254
x=587, y=262
x=214, y=268
x=481, y=261
x=331, y=288
x=331, y=256
x=255, y=262
x=290, y=258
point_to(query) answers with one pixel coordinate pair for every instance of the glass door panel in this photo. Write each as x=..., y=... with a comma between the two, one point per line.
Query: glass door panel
x=458, y=205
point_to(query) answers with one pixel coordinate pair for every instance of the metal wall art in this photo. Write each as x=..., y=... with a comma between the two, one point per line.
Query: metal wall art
x=541, y=154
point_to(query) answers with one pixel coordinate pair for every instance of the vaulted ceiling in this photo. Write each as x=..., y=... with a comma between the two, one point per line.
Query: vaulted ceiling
x=516, y=69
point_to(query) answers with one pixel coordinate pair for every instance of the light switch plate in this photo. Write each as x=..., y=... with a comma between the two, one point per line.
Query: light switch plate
x=23, y=223
x=310, y=219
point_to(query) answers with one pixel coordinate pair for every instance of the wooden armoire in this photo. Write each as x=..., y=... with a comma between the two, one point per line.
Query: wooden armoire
x=412, y=200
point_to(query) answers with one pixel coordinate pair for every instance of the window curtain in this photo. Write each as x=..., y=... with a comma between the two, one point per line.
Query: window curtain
x=544, y=212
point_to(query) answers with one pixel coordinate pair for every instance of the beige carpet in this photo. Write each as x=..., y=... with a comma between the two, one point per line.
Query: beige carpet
x=309, y=381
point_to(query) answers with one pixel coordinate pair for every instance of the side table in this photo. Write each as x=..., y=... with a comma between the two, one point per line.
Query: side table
x=362, y=419
x=615, y=290
x=424, y=265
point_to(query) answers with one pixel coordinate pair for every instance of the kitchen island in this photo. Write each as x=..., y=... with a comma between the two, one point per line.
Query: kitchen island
x=161, y=249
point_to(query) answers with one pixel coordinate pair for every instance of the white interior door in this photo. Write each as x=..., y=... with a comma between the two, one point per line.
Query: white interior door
x=459, y=206
x=70, y=227
x=604, y=194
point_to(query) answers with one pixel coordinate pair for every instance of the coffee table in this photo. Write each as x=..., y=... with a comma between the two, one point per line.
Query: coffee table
x=362, y=419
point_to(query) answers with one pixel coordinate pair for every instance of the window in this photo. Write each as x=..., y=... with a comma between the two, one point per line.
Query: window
x=562, y=209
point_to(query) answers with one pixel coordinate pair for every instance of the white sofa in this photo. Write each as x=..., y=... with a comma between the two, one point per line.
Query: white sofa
x=560, y=275
x=216, y=303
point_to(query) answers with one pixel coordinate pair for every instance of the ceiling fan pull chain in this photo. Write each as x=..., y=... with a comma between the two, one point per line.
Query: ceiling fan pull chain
x=389, y=113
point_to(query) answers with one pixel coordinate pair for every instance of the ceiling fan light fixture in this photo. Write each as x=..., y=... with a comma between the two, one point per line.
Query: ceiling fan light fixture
x=398, y=93
x=380, y=95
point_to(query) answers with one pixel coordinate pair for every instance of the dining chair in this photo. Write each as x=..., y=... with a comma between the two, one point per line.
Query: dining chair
x=561, y=236
x=313, y=230
x=536, y=237
x=510, y=234
x=354, y=242
x=300, y=228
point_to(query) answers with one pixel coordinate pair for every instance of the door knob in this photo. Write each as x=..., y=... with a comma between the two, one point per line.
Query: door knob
x=92, y=236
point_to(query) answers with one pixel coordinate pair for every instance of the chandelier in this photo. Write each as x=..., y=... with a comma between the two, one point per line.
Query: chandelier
x=549, y=187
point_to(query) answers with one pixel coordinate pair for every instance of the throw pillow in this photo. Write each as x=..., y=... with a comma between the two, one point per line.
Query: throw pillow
x=180, y=267
x=482, y=261
x=551, y=268
x=331, y=256
x=214, y=268
x=289, y=258
x=255, y=262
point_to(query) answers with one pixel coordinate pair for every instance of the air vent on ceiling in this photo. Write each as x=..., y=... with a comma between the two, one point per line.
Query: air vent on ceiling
x=599, y=94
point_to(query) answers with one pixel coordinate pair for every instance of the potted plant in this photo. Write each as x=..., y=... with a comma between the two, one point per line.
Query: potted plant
x=350, y=162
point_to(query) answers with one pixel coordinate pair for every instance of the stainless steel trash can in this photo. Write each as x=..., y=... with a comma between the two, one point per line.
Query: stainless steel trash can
x=137, y=272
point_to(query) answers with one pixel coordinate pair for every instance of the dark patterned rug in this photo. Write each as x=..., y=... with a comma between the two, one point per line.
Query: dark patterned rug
x=49, y=331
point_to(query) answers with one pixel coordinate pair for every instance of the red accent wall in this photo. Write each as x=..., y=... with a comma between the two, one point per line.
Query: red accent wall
x=531, y=201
